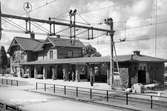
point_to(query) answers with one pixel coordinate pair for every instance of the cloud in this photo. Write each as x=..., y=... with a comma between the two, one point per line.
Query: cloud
x=142, y=8
x=131, y=13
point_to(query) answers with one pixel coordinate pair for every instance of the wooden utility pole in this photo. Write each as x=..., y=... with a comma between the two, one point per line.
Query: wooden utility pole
x=0, y=23
x=109, y=22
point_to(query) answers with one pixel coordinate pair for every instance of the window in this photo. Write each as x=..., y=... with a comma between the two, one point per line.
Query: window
x=70, y=54
x=22, y=57
x=51, y=54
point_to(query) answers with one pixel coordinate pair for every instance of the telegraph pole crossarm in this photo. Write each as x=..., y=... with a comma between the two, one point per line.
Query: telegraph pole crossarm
x=52, y=22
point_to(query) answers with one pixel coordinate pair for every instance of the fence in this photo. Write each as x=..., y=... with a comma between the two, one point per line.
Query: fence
x=91, y=93
x=5, y=107
x=9, y=82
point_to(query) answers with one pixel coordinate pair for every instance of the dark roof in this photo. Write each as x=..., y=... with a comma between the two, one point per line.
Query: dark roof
x=65, y=42
x=122, y=58
x=145, y=58
x=28, y=44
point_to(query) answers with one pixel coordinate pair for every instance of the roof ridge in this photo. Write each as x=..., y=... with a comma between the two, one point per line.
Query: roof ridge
x=153, y=57
x=61, y=38
x=28, y=38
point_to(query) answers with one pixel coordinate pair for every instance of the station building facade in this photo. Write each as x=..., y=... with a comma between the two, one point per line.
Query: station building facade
x=58, y=58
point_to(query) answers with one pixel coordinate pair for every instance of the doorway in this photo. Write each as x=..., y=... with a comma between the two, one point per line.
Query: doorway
x=142, y=76
x=32, y=72
x=59, y=72
x=49, y=72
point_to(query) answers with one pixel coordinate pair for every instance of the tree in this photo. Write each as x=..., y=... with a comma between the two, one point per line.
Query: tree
x=90, y=51
x=3, y=59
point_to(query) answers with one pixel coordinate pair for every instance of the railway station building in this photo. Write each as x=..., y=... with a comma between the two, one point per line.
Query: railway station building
x=59, y=58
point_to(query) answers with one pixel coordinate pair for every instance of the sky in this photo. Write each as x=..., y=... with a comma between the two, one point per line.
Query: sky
x=134, y=21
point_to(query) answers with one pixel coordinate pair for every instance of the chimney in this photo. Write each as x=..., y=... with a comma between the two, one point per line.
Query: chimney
x=137, y=53
x=32, y=35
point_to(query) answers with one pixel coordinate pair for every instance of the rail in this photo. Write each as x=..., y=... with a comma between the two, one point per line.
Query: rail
x=91, y=92
x=9, y=82
x=6, y=107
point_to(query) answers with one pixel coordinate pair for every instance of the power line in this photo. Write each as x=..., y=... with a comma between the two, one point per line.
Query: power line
x=97, y=9
x=81, y=32
x=100, y=23
x=47, y=3
x=95, y=37
x=83, y=19
x=42, y=27
x=67, y=20
x=61, y=30
x=22, y=32
x=146, y=25
x=14, y=24
x=140, y=39
x=39, y=28
x=61, y=14
x=156, y=26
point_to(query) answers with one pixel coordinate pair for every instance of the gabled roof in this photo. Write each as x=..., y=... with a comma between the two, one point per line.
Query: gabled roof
x=122, y=58
x=65, y=42
x=28, y=44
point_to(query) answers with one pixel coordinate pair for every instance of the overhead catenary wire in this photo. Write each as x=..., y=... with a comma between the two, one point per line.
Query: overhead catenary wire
x=133, y=28
x=89, y=11
x=139, y=39
x=41, y=27
x=97, y=9
x=83, y=19
x=67, y=20
x=125, y=21
x=47, y=3
x=46, y=31
x=140, y=27
x=22, y=32
x=146, y=25
x=20, y=27
x=65, y=36
x=163, y=22
x=156, y=27
x=82, y=32
x=14, y=24
x=61, y=30
x=97, y=36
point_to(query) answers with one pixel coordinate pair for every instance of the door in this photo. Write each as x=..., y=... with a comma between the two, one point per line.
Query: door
x=142, y=76
x=49, y=72
x=59, y=72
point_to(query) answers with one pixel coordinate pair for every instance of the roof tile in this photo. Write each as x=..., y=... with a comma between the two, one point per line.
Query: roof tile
x=65, y=42
x=29, y=44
